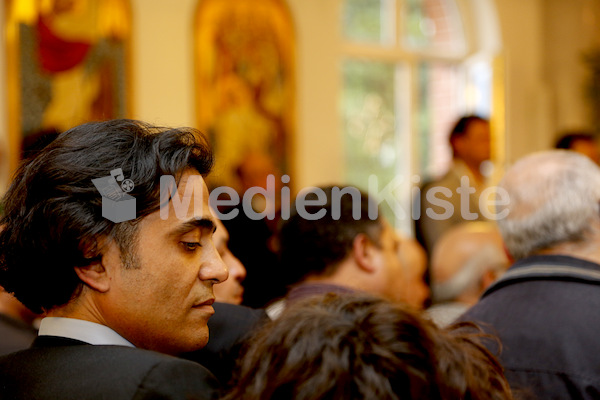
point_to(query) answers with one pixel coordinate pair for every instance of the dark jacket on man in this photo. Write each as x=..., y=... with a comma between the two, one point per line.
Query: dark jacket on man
x=67, y=369
x=545, y=310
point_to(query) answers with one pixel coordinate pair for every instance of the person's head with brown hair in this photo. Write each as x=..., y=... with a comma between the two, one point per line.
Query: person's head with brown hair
x=363, y=347
x=580, y=141
x=470, y=140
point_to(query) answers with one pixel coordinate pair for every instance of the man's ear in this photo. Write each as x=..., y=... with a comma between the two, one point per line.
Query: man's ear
x=363, y=252
x=487, y=279
x=511, y=260
x=94, y=274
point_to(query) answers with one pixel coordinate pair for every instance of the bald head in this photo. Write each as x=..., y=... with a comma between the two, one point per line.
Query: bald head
x=462, y=257
x=554, y=199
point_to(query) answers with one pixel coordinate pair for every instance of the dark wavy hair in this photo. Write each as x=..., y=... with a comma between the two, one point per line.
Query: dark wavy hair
x=351, y=347
x=52, y=211
x=317, y=246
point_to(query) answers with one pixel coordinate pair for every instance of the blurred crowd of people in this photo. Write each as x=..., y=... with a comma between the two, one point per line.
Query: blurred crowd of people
x=339, y=306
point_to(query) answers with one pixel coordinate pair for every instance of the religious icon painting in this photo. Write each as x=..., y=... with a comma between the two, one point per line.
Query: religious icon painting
x=68, y=63
x=245, y=83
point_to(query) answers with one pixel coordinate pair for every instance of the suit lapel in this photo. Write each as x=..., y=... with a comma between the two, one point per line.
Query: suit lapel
x=55, y=341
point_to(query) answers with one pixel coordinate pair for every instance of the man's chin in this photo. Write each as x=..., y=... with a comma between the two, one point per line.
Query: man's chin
x=238, y=299
x=194, y=344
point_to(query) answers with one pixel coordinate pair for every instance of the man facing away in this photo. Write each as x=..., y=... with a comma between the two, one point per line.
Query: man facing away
x=333, y=243
x=111, y=291
x=545, y=307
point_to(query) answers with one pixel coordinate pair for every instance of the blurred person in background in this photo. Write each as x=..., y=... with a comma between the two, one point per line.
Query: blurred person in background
x=414, y=260
x=357, y=347
x=470, y=140
x=580, y=141
x=231, y=291
x=466, y=260
x=544, y=309
x=252, y=240
x=346, y=253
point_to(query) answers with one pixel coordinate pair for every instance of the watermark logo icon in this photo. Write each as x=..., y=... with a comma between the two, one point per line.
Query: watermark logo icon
x=117, y=205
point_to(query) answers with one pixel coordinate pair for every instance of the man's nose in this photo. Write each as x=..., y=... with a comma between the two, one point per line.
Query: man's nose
x=214, y=269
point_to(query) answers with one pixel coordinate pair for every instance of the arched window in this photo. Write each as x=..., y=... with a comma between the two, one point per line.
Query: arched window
x=409, y=69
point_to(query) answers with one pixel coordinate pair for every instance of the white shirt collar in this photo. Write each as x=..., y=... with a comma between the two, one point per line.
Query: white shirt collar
x=78, y=329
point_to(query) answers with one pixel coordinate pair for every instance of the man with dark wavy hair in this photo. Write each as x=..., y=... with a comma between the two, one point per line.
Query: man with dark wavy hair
x=111, y=291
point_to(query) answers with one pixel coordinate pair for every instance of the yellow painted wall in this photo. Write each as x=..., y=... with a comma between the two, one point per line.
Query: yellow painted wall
x=163, y=80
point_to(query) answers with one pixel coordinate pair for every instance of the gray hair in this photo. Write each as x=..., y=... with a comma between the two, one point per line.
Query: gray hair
x=488, y=258
x=554, y=197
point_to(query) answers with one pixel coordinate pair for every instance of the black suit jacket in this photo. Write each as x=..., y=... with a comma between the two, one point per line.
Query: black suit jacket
x=67, y=369
x=229, y=328
x=15, y=335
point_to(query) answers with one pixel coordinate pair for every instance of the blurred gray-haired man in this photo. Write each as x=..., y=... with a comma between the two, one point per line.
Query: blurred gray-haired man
x=545, y=307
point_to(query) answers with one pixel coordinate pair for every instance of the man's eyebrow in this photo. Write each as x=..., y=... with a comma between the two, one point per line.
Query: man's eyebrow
x=190, y=225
